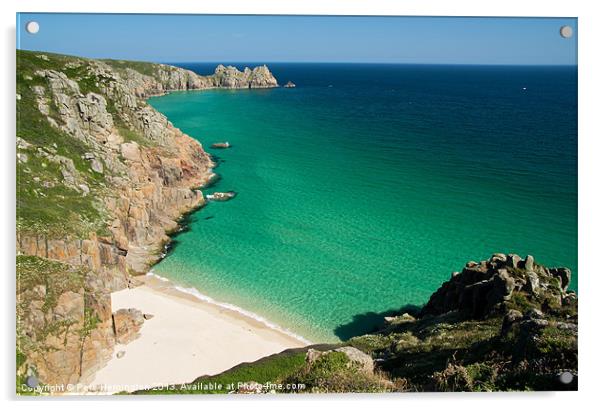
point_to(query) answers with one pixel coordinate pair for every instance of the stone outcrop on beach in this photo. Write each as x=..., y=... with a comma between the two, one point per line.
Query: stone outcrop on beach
x=126, y=324
x=102, y=179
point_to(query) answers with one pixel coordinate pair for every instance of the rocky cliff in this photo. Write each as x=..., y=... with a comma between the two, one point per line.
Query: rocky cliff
x=102, y=179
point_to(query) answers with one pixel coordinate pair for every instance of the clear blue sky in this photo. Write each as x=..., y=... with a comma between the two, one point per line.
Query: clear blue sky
x=197, y=38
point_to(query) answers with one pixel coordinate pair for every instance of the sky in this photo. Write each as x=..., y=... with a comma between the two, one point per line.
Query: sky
x=214, y=38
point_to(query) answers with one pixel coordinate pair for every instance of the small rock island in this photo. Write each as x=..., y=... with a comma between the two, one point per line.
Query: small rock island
x=221, y=196
x=290, y=84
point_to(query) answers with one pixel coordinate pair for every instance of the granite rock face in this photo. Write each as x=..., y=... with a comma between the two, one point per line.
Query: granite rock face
x=483, y=288
x=231, y=77
x=140, y=173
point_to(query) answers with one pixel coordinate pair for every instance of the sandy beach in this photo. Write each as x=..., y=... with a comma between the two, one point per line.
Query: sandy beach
x=185, y=338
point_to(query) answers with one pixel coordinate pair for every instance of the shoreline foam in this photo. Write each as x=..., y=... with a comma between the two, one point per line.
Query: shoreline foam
x=194, y=292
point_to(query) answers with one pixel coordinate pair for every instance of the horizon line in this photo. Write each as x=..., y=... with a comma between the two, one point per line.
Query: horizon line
x=306, y=62
x=352, y=62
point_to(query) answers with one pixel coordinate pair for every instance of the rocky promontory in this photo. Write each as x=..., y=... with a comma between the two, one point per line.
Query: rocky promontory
x=231, y=77
x=102, y=179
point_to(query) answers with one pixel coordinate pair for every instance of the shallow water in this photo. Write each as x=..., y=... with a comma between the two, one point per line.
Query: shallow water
x=362, y=189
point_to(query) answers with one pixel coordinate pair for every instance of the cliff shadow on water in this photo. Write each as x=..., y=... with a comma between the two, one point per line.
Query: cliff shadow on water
x=186, y=221
x=367, y=322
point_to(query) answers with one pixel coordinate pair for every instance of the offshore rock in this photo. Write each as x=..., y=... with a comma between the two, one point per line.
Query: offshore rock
x=221, y=196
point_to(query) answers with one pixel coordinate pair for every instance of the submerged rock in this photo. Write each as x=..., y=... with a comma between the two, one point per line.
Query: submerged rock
x=220, y=145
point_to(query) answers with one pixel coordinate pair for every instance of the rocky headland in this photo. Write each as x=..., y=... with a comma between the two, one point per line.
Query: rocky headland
x=102, y=179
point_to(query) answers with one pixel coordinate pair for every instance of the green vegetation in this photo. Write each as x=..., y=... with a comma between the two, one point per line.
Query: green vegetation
x=274, y=369
x=333, y=372
x=412, y=352
x=145, y=68
x=56, y=277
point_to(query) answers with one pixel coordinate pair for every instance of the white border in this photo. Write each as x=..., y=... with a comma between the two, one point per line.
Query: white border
x=547, y=8
x=590, y=170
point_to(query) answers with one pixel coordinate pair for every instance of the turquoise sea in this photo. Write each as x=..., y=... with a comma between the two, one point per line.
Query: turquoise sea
x=362, y=189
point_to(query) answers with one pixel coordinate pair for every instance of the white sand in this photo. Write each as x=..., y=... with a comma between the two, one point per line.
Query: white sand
x=185, y=339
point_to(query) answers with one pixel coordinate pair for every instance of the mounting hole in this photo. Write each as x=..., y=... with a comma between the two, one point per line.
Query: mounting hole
x=32, y=27
x=566, y=31
x=32, y=381
x=565, y=378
